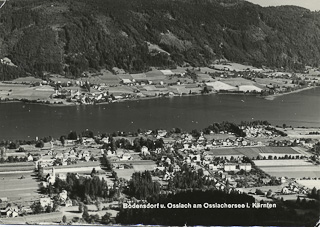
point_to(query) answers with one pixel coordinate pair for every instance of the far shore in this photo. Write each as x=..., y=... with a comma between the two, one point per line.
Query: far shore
x=272, y=97
x=64, y=103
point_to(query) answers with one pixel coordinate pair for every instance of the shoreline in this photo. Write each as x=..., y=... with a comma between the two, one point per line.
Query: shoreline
x=64, y=103
x=272, y=97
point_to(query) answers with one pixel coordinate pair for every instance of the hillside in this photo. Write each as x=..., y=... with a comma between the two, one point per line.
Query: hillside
x=70, y=36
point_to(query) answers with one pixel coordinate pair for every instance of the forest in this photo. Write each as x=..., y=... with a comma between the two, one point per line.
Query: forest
x=69, y=37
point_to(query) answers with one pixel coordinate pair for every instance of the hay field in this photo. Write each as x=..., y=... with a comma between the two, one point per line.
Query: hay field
x=20, y=91
x=293, y=171
x=19, y=190
x=310, y=183
x=281, y=162
x=10, y=167
x=237, y=81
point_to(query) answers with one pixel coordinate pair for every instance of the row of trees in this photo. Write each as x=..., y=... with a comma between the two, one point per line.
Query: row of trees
x=187, y=178
x=136, y=145
x=83, y=188
x=12, y=159
x=224, y=126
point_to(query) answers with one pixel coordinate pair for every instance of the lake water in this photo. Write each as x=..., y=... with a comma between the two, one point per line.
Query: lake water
x=25, y=121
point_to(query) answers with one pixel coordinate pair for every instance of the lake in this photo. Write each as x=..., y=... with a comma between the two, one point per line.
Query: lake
x=25, y=121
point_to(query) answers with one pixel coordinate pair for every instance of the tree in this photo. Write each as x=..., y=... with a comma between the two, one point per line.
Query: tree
x=269, y=193
x=48, y=209
x=37, y=208
x=85, y=214
x=72, y=135
x=93, y=172
x=64, y=219
x=87, y=133
x=105, y=219
x=80, y=208
x=98, y=205
x=40, y=144
x=62, y=140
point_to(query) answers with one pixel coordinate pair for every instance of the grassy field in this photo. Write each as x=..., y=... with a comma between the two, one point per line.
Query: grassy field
x=253, y=152
x=301, y=132
x=237, y=81
x=279, y=162
x=28, y=79
x=293, y=171
x=138, y=166
x=276, y=150
x=19, y=166
x=21, y=191
x=224, y=151
x=20, y=91
x=310, y=183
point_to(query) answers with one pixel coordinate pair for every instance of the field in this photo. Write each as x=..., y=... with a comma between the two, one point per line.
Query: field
x=310, y=183
x=224, y=151
x=51, y=218
x=301, y=132
x=28, y=79
x=18, y=190
x=276, y=150
x=19, y=91
x=279, y=162
x=23, y=166
x=237, y=81
x=293, y=171
x=138, y=166
x=274, y=81
x=253, y=152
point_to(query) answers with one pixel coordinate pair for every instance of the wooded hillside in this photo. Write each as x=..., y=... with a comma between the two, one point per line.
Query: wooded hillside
x=70, y=36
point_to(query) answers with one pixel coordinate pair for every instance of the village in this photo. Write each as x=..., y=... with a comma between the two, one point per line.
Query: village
x=257, y=163
x=117, y=85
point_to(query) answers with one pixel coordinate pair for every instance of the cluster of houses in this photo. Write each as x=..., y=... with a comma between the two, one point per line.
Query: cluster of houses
x=66, y=158
x=190, y=144
x=294, y=189
x=12, y=211
x=257, y=131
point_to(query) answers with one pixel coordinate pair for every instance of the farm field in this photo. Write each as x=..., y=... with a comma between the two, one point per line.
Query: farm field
x=310, y=183
x=293, y=171
x=276, y=150
x=224, y=151
x=124, y=173
x=253, y=152
x=237, y=81
x=16, y=167
x=44, y=219
x=281, y=162
x=138, y=166
x=17, y=190
x=301, y=132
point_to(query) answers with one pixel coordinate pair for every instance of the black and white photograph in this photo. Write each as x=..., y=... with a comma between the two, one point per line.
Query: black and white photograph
x=160, y=113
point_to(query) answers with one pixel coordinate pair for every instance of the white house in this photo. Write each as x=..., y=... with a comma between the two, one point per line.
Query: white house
x=63, y=195
x=245, y=166
x=45, y=202
x=229, y=167
x=126, y=157
x=145, y=151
